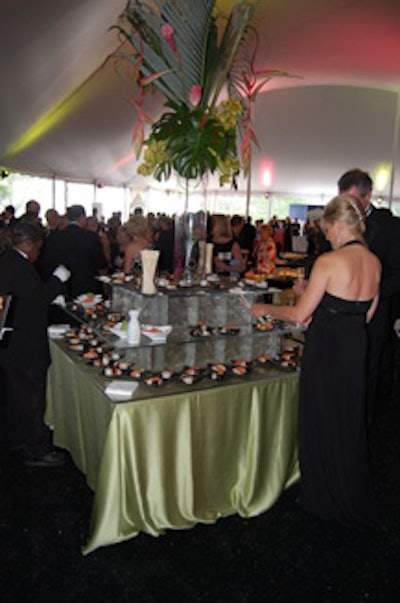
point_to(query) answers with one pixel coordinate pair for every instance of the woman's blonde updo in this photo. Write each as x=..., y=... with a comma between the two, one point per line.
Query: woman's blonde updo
x=220, y=225
x=349, y=210
x=136, y=226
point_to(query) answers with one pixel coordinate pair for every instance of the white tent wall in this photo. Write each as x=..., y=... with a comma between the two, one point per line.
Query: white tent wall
x=64, y=112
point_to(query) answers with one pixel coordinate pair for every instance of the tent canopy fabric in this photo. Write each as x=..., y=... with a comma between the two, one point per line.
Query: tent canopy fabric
x=64, y=108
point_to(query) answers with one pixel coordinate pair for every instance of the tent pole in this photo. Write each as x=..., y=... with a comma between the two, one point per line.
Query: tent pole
x=53, y=192
x=394, y=149
x=248, y=192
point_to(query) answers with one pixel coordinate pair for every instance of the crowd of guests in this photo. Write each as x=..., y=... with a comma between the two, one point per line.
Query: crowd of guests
x=239, y=244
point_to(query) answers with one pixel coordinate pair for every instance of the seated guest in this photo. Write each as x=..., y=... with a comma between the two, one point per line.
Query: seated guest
x=24, y=351
x=227, y=256
x=266, y=251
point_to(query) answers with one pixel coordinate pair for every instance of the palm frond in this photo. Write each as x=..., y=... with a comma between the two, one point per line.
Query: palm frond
x=190, y=21
x=234, y=32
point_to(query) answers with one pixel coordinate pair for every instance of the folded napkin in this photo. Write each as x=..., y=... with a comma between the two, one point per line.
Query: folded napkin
x=58, y=331
x=119, y=390
x=59, y=301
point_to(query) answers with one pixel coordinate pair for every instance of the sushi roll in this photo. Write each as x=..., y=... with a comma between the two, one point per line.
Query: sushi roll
x=136, y=373
x=90, y=355
x=240, y=362
x=98, y=361
x=167, y=374
x=123, y=365
x=219, y=368
x=192, y=370
x=264, y=358
x=239, y=370
x=215, y=376
x=187, y=379
x=77, y=347
x=112, y=371
x=154, y=380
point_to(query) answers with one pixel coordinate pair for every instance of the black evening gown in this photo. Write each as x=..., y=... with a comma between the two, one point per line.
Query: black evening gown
x=333, y=451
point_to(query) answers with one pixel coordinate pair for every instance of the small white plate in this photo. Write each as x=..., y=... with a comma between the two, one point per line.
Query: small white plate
x=156, y=333
x=88, y=301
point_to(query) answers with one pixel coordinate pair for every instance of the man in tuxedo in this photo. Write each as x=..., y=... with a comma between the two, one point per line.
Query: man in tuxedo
x=382, y=235
x=77, y=248
x=32, y=211
x=24, y=351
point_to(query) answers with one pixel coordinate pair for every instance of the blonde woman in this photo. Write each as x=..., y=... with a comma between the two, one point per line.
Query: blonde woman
x=227, y=256
x=132, y=238
x=340, y=299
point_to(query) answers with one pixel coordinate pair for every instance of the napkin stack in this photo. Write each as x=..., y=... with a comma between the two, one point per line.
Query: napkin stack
x=119, y=390
x=58, y=331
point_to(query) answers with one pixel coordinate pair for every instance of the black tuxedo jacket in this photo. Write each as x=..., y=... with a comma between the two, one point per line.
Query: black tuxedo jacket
x=27, y=344
x=382, y=235
x=81, y=251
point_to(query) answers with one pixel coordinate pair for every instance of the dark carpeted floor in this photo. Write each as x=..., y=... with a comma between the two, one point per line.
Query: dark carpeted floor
x=281, y=555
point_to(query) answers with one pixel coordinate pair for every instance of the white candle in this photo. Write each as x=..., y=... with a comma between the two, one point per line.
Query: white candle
x=149, y=265
x=209, y=258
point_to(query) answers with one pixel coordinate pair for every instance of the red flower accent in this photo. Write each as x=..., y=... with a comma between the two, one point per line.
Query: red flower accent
x=195, y=95
x=167, y=32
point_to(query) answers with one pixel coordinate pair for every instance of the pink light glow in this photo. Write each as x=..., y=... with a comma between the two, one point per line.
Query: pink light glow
x=122, y=161
x=267, y=173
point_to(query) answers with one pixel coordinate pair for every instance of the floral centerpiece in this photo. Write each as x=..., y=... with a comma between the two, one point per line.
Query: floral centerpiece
x=203, y=64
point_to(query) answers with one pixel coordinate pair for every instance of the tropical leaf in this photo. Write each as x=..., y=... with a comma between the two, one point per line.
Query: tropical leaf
x=233, y=34
x=190, y=21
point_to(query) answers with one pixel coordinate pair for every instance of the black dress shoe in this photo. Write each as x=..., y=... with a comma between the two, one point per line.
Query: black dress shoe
x=51, y=459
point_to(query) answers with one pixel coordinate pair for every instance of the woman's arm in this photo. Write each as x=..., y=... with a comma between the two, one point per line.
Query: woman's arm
x=373, y=307
x=240, y=265
x=128, y=258
x=240, y=262
x=307, y=303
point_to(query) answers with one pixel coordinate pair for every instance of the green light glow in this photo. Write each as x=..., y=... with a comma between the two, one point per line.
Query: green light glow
x=45, y=123
x=381, y=177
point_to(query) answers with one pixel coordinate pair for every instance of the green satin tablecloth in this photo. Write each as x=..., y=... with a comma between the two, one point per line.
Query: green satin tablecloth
x=171, y=461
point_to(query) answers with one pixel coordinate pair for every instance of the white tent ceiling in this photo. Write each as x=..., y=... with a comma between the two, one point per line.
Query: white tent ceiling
x=63, y=111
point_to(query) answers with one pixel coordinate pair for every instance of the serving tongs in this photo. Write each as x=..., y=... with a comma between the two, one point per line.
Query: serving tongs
x=245, y=302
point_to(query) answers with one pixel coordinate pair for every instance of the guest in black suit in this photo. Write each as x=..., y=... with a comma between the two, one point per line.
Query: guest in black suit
x=383, y=238
x=7, y=218
x=77, y=248
x=24, y=351
x=32, y=211
x=164, y=243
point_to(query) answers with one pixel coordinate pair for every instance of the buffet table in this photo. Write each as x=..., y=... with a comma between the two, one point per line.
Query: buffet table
x=177, y=455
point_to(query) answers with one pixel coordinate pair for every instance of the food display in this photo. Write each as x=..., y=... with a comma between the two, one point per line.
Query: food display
x=265, y=325
x=204, y=330
x=184, y=355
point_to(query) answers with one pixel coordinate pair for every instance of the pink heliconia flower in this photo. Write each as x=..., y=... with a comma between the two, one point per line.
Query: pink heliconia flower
x=167, y=32
x=195, y=95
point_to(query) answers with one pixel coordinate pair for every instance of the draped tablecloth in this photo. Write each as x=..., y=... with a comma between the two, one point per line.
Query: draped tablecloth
x=172, y=460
